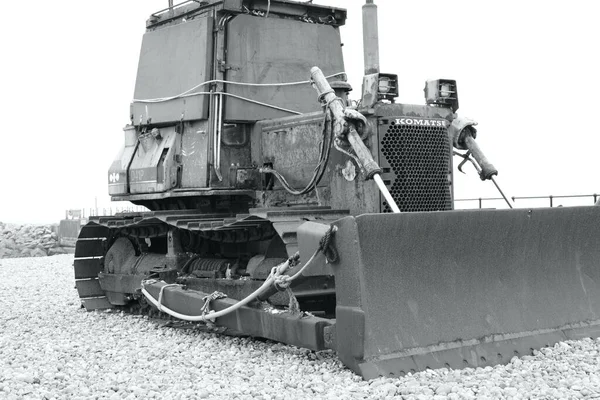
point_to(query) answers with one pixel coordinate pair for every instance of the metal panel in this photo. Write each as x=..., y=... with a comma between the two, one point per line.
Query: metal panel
x=121, y=283
x=194, y=153
x=174, y=59
x=473, y=286
x=68, y=230
x=88, y=268
x=117, y=173
x=274, y=50
x=291, y=9
x=151, y=169
x=89, y=248
x=92, y=230
x=96, y=303
x=89, y=288
x=310, y=235
x=293, y=149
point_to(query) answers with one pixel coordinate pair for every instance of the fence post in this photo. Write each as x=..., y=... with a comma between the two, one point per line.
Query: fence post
x=595, y=198
x=480, y=204
x=551, y=202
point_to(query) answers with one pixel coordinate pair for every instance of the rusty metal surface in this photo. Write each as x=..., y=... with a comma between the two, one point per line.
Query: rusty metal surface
x=68, y=231
x=121, y=283
x=174, y=59
x=89, y=261
x=287, y=221
x=118, y=172
x=235, y=152
x=96, y=303
x=181, y=194
x=227, y=229
x=413, y=110
x=480, y=353
x=294, y=329
x=432, y=287
x=124, y=270
x=152, y=169
x=298, y=9
x=90, y=248
x=309, y=236
x=194, y=155
x=252, y=46
x=88, y=268
x=89, y=288
x=292, y=148
x=234, y=288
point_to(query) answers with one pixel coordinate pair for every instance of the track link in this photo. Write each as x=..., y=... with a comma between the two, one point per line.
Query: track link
x=90, y=249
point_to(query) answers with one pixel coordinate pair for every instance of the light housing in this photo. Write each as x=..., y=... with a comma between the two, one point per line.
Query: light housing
x=387, y=86
x=441, y=93
x=377, y=87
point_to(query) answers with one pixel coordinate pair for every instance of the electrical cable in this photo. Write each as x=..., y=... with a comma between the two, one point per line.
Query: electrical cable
x=231, y=95
x=187, y=92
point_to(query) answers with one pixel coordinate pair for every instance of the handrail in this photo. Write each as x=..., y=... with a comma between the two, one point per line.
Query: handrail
x=594, y=196
x=96, y=211
x=173, y=7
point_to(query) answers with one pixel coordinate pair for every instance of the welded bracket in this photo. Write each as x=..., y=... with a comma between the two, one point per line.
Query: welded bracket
x=329, y=337
x=175, y=254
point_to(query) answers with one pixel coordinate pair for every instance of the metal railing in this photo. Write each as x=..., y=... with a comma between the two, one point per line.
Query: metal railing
x=85, y=213
x=550, y=198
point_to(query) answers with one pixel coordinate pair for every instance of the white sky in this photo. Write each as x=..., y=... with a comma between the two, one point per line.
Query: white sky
x=527, y=71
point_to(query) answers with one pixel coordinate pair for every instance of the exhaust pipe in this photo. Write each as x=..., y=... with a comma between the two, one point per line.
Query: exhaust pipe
x=370, y=38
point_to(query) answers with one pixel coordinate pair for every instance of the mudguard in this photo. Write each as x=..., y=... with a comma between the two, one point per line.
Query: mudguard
x=463, y=288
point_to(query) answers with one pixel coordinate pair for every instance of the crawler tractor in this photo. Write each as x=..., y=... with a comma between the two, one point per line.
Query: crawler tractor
x=280, y=209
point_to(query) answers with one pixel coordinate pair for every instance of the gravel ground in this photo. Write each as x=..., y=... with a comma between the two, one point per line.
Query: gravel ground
x=52, y=349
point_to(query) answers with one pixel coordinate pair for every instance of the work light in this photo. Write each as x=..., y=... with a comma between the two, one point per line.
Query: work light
x=441, y=93
x=387, y=87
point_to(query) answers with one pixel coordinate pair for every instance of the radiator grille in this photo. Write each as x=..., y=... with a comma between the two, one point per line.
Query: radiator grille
x=417, y=166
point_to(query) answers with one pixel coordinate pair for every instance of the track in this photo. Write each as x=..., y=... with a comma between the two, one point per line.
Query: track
x=194, y=228
x=90, y=249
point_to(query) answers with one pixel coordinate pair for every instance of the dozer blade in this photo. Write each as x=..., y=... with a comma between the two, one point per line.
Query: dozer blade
x=463, y=288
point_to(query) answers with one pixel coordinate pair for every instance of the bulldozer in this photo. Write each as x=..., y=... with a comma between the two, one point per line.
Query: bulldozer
x=281, y=209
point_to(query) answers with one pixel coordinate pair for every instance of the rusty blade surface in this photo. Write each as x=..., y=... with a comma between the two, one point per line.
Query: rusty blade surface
x=463, y=288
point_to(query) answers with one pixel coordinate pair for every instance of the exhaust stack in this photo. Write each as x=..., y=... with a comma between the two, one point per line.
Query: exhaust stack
x=370, y=38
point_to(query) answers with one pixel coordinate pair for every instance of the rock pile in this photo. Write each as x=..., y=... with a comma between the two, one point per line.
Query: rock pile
x=18, y=241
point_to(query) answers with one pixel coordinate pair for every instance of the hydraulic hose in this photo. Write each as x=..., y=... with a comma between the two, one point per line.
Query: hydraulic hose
x=211, y=316
x=276, y=273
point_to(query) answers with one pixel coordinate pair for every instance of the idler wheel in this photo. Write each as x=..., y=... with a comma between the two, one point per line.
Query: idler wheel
x=120, y=258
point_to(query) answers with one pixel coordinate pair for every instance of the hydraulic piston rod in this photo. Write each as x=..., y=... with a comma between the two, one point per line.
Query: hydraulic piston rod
x=363, y=154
